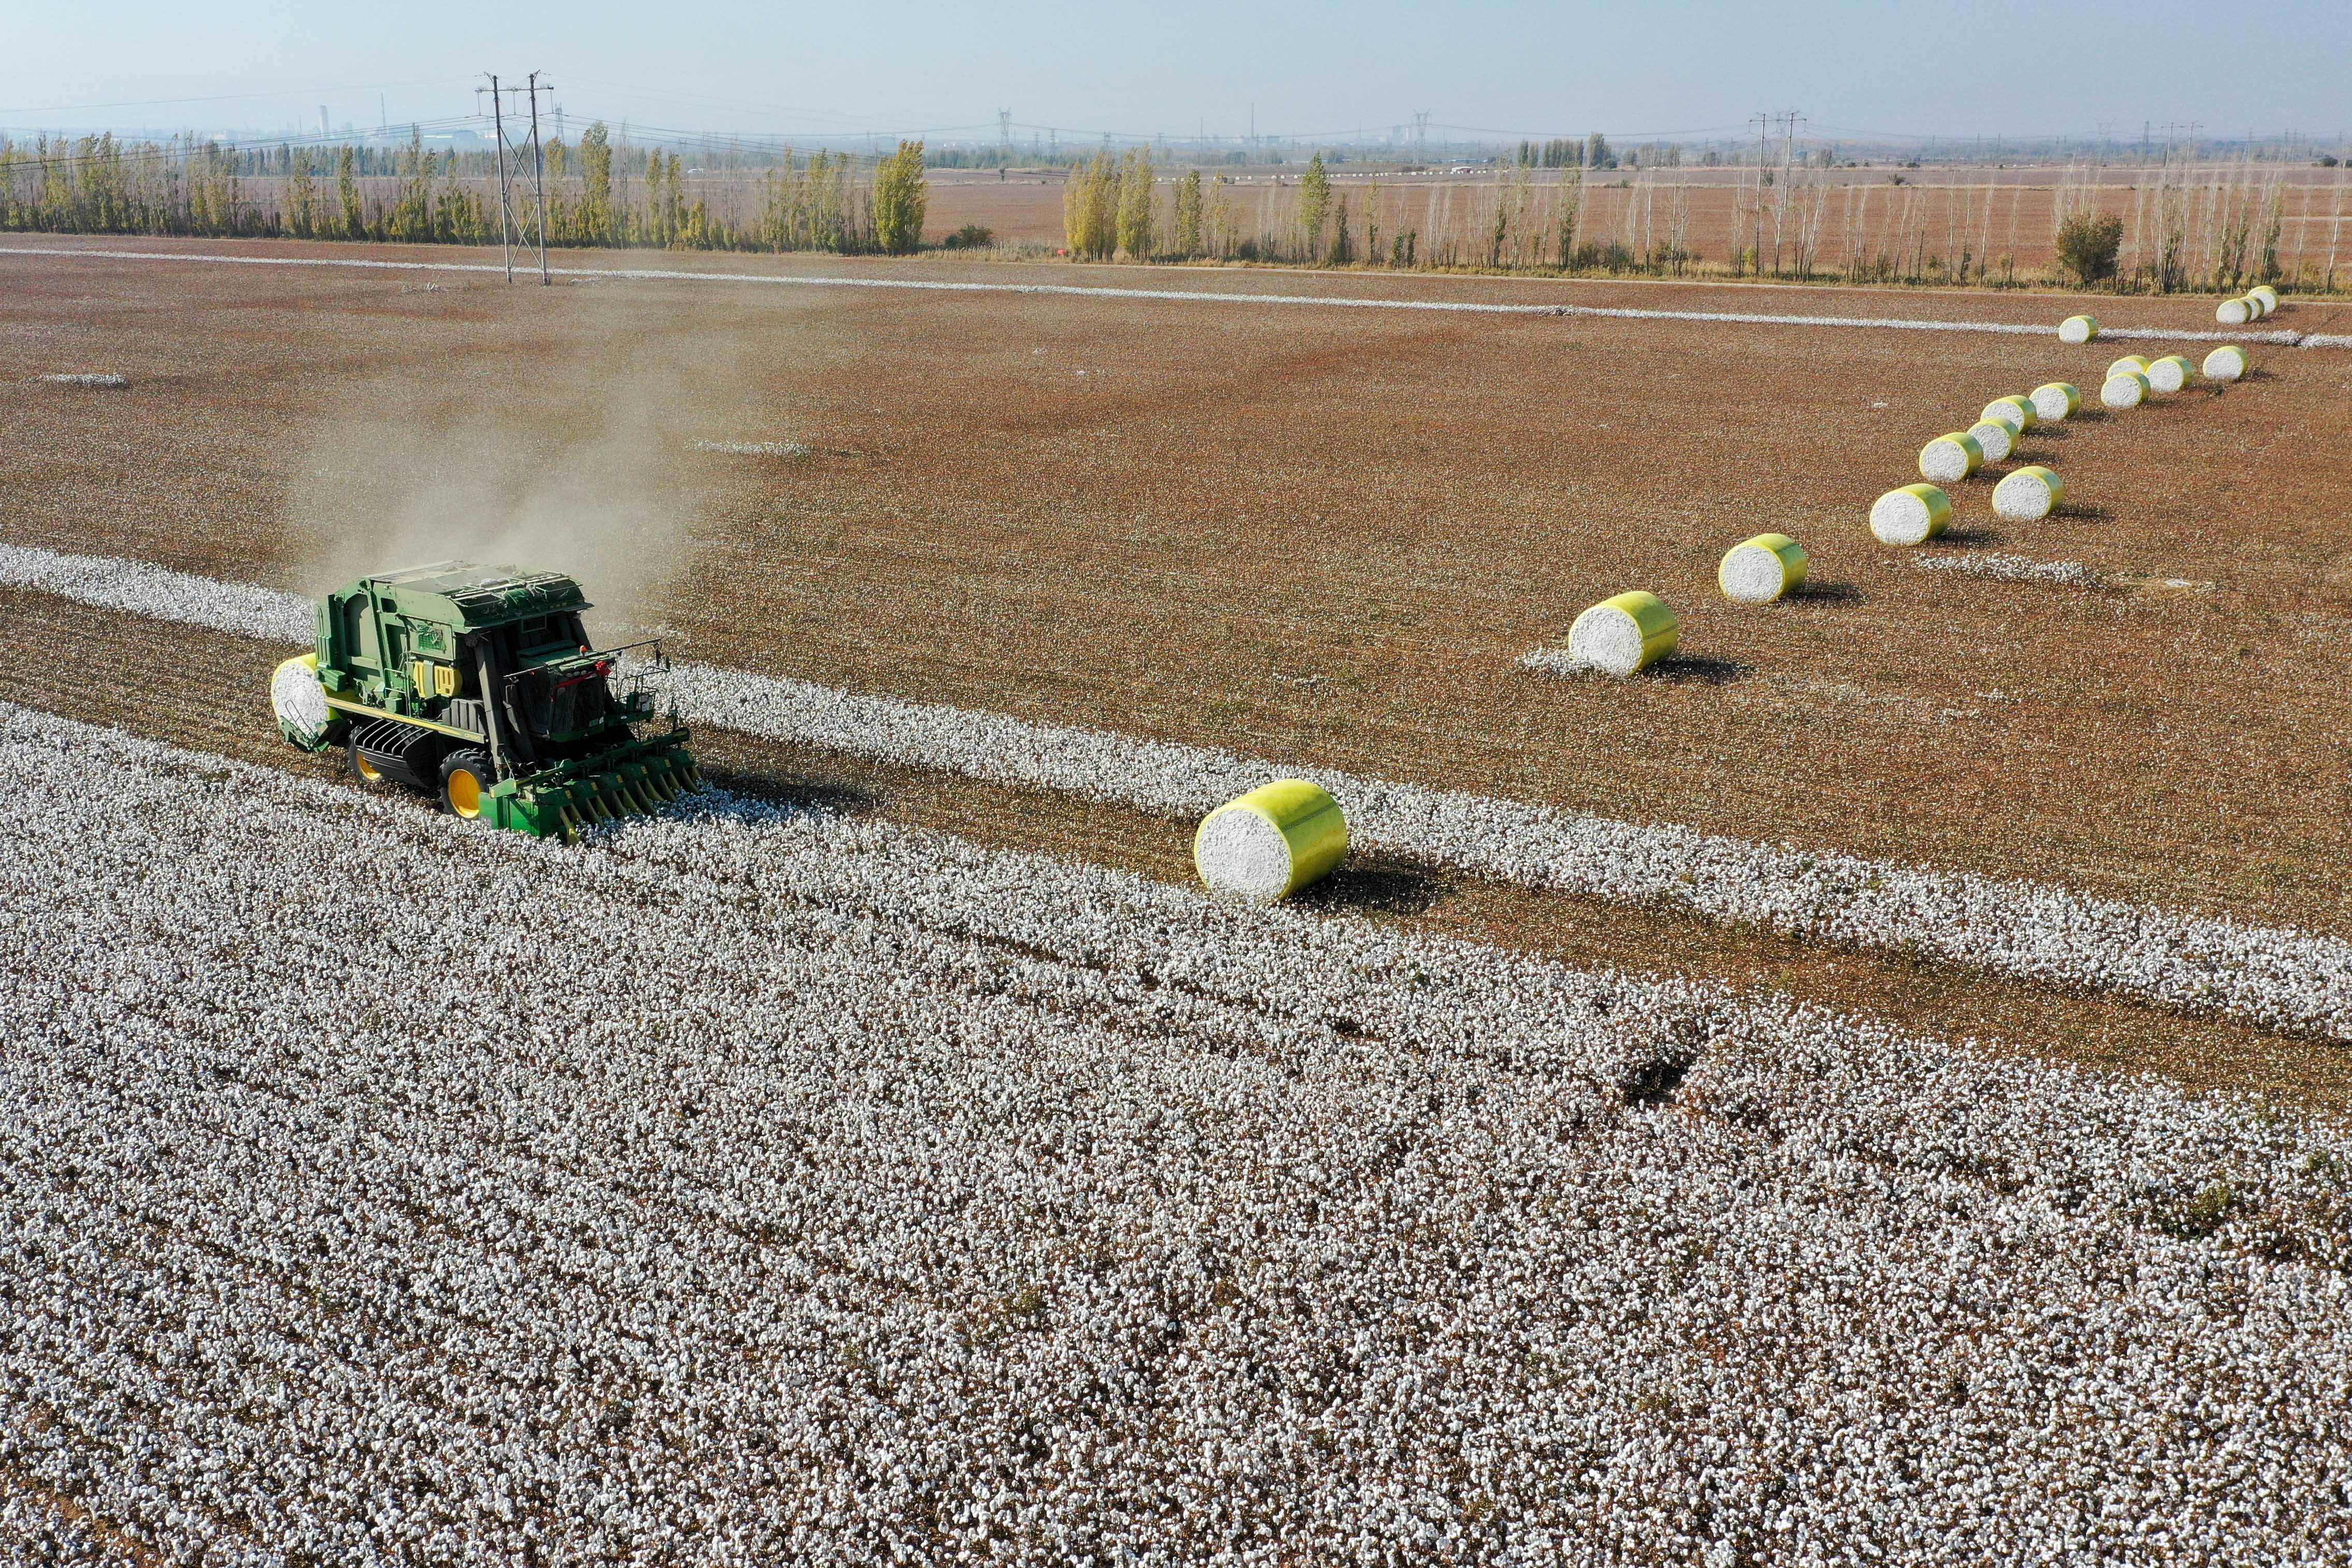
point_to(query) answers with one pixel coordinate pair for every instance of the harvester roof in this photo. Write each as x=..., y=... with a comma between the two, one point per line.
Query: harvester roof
x=462, y=593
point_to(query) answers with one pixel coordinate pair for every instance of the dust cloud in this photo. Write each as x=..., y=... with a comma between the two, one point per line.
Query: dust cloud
x=566, y=459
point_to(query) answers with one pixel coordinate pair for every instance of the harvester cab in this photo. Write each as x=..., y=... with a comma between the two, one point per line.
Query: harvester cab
x=477, y=686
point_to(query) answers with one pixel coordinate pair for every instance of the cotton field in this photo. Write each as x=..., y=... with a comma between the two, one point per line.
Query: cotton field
x=755, y=1186
x=2273, y=977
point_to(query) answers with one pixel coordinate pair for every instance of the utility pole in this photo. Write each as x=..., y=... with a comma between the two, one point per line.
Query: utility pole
x=1421, y=135
x=1004, y=132
x=519, y=229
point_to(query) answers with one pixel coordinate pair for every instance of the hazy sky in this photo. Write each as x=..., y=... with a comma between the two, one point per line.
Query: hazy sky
x=2057, y=66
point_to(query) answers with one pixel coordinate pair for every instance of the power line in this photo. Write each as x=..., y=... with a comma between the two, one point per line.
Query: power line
x=227, y=97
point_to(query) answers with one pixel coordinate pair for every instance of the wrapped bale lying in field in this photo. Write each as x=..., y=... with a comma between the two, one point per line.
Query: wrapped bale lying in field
x=1628, y=633
x=2226, y=363
x=2029, y=494
x=2265, y=295
x=2056, y=401
x=1758, y=570
x=2125, y=389
x=1951, y=457
x=2172, y=373
x=1274, y=840
x=1996, y=438
x=1910, y=515
x=2017, y=413
x=2130, y=365
x=2078, y=329
x=2237, y=312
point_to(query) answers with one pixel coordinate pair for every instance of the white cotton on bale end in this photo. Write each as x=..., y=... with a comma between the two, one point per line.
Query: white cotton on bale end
x=2056, y=401
x=2235, y=312
x=2017, y=413
x=1274, y=840
x=1910, y=515
x=2127, y=389
x=2078, y=329
x=2130, y=365
x=300, y=701
x=2029, y=494
x=2171, y=374
x=1996, y=438
x=2267, y=297
x=1628, y=633
x=2226, y=363
x=1954, y=455
x=1758, y=570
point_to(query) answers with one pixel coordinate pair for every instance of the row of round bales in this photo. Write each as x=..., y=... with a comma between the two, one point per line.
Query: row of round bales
x=1283, y=835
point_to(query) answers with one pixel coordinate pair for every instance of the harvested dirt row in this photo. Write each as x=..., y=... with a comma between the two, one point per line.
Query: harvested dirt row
x=205, y=690
x=1325, y=546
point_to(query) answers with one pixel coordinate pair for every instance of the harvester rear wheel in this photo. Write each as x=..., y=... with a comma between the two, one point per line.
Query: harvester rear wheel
x=356, y=764
x=466, y=779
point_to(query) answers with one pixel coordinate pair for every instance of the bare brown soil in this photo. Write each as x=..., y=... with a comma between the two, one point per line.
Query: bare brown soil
x=1320, y=537
x=205, y=690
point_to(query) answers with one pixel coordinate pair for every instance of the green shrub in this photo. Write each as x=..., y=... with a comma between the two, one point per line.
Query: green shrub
x=971, y=236
x=2087, y=245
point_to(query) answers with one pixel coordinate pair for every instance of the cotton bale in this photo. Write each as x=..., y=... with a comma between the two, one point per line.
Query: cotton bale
x=1953, y=455
x=2130, y=365
x=2235, y=312
x=2171, y=374
x=1910, y=515
x=1758, y=570
x=2029, y=494
x=2266, y=296
x=2017, y=413
x=1271, y=841
x=2078, y=329
x=2127, y=389
x=2226, y=363
x=2056, y=401
x=300, y=701
x=1630, y=631
x=1996, y=438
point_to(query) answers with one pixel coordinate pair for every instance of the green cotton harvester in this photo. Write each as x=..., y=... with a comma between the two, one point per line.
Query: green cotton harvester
x=477, y=686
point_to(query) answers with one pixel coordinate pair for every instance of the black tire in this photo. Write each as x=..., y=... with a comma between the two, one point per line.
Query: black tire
x=358, y=768
x=466, y=779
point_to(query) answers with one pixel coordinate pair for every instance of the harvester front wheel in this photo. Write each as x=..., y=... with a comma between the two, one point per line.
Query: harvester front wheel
x=466, y=779
x=356, y=764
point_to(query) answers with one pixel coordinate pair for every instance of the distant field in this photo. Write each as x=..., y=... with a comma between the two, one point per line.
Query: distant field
x=1993, y=215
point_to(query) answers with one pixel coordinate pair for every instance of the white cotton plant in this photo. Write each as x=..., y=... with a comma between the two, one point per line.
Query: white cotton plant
x=857, y=1195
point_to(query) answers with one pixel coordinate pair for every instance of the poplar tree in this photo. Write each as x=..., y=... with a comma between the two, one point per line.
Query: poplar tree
x=900, y=196
x=303, y=195
x=1091, y=209
x=347, y=191
x=596, y=184
x=1137, y=220
x=1188, y=216
x=1314, y=205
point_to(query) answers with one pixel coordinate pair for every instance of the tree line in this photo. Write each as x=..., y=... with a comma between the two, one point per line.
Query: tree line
x=598, y=193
